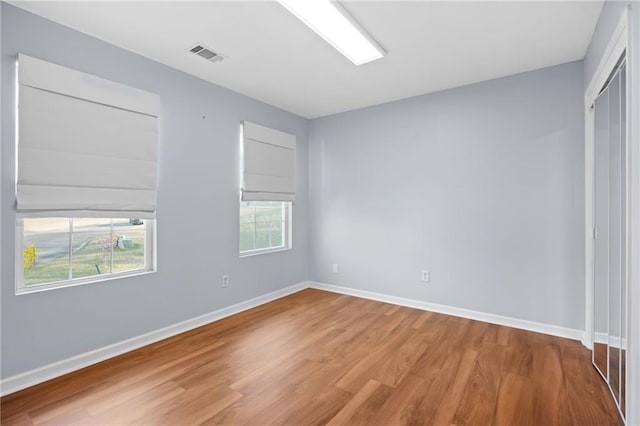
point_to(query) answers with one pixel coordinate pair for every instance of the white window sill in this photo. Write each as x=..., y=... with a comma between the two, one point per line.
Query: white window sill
x=36, y=288
x=263, y=251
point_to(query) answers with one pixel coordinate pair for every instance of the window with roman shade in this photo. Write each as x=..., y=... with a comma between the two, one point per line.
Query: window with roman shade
x=86, y=146
x=268, y=164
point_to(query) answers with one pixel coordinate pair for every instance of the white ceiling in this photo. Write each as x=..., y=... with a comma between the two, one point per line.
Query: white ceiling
x=273, y=57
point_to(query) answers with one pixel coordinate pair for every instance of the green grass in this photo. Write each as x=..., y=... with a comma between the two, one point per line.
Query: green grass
x=262, y=236
x=266, y=219
x=85, y=260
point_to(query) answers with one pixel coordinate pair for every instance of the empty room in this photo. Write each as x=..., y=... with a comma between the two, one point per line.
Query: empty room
x=310, y=212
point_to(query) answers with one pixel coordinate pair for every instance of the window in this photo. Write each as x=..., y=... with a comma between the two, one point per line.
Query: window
x=268, y=189
x=86, y=177
x=58, y=252
x=264, y=226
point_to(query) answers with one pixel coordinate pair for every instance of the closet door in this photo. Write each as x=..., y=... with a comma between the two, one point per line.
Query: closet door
x=610, y=137
x=601, y=219
x=624, y=242
x=615, y=235
x=622, y=306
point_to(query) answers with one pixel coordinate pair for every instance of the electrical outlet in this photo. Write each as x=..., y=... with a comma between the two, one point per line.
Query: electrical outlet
x=225, y=281
x=426, y=276
x=335, y=268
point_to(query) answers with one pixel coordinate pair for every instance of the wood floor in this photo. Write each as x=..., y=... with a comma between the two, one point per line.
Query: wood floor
x=323, y=358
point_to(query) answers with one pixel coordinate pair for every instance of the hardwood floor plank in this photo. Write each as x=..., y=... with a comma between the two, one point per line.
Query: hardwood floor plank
x=258, y=405
x=194, y=406
x=21, y=419
x=515, y=401
x=119, y=389
x=288, y=373
x=400, y=407
x=367, y=367
x=316, y=358
x=518, y=360
x=78, y=416
x=355, y=342
x=422, y=319
x=477, y=406
x=349, y=409
x=548, y=377
x=450, y=400
x=315, y=409
x=141, y=407
x=400, y=362
x=367, y=412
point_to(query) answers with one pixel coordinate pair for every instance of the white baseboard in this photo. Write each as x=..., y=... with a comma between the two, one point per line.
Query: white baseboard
x=48, y=372
x=51, y=371
x=537, y=327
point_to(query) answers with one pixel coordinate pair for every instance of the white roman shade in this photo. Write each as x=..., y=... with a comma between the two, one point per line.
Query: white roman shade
x=269, y=164
x=86, y=146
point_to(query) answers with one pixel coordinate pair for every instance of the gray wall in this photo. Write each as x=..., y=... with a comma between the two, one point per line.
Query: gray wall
x=482, y=185
x=197, y=207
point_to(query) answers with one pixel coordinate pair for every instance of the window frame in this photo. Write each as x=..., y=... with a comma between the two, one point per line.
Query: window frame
x=21, y=288
x=287, y=227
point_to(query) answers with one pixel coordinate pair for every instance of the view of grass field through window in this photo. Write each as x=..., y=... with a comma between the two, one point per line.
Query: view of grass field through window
x=95, y=247
x=263, y=225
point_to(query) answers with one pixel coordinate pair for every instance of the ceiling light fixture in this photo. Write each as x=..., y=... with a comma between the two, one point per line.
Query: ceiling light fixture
x=334, y=24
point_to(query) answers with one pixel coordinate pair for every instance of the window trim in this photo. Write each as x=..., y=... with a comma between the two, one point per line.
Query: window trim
x=21, y=288
x=288, y=241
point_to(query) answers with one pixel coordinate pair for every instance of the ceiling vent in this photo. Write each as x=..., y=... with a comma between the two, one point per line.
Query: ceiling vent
x=207, y=54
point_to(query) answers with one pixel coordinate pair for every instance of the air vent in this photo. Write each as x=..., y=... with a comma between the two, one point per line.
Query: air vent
x=207, y=54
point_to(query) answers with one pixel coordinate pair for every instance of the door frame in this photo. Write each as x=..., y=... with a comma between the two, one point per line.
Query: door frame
x=614, y=51
x=619, y=43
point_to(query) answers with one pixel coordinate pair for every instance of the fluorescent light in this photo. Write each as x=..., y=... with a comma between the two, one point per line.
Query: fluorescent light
x=340, y=30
